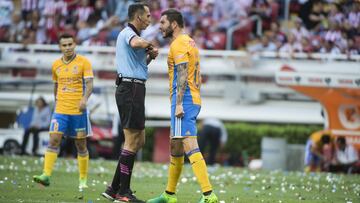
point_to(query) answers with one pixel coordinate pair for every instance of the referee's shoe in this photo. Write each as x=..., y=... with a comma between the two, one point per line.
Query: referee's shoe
x=127, y=197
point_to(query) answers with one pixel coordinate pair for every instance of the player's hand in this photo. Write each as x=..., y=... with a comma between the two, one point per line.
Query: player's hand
x=153, y=53
x=179, y=111
x=82, y=106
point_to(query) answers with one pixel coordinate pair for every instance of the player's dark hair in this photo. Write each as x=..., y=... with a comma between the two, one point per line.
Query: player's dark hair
x=42, y=100
x=135, y=8
x=325, y=139
x=174, y=15
x=65, y=36
x=341, y=140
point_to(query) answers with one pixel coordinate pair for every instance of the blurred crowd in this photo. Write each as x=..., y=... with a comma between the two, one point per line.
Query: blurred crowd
x=326, y=26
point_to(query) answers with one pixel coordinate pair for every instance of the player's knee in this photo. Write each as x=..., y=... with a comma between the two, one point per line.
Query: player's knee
x=81, y=148
x=140, y=143
x=190, y=143
x=176, y=147
x=137, y=144
x=54, y=143
x=80, y=145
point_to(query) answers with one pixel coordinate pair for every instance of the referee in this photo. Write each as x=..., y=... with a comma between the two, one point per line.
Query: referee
x=132, y=56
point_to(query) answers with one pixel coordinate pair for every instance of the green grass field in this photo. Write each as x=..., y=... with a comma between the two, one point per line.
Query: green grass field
x=230, y=184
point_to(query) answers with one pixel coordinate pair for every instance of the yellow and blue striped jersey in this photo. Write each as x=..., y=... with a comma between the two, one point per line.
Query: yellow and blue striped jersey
x=183, y=50
x=71, y=84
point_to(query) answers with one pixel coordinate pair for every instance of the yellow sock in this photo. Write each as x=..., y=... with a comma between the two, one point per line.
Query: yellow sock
x=50, y=158
x=83, y=163
x=175, y=168
x=200, y=170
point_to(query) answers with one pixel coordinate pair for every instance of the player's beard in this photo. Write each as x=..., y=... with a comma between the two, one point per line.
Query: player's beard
x=168, y=32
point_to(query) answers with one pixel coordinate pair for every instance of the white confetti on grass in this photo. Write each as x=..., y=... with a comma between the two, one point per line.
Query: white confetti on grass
x=184, y=180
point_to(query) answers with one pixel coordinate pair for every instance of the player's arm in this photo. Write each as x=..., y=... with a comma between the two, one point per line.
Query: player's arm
x=181, y=83
x=89, y=84
x=88, y=90
x=138, y=42
x=315, y=150
x=55, y=90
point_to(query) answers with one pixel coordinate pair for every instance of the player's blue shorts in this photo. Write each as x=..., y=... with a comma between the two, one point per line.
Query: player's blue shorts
x=75, y=126
x=310, y=158
x=185, y=126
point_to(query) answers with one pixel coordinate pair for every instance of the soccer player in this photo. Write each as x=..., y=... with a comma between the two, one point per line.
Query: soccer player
x=133, y=54
x=73, y=78
x=314, y=150
x=184, y=78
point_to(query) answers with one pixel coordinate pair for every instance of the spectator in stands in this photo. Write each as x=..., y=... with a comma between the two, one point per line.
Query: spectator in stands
x=6, y=12
x=54, y=15
x=276, y=35
x=330, y=48
x=100, y=10
x=299, y=31
x=213, y=134
x=38, y=27
x=267, y=45
x=336, y=22
x=27, y=7
x=306, y=45
x=263, y=9
x=352, y=49
x=113, y=30
x=151, y=33
x=292, y=45
x=155, y=10
x=315, y=17
x=111, y=6
x=40, y=121
x=192, y=15
x=226, y=14
x=87, y=29
x=71, y=6
x=334, y=33
x=16, y=29
x=84, y=11
x=336, y=16
x=122, y=10
x=314, y=156
x=346, y=157
x=354, y=16
x=262, y=45
x=199, y=37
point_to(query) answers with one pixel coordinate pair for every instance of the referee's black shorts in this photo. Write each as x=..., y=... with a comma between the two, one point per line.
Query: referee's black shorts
x=130, y=100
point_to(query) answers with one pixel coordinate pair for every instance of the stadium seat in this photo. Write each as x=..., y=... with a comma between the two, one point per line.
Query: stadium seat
x=241, y=36
x=357, y=41
x=24, y=117
x=106, y=75
x=161, y=145
x=274, y=11
x=24, y=72
x=218, y=40
x=3, y=34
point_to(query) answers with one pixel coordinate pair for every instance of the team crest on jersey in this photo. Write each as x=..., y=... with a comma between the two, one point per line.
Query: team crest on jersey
x=192, y=43
x=188, y=133
x=75, y=70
